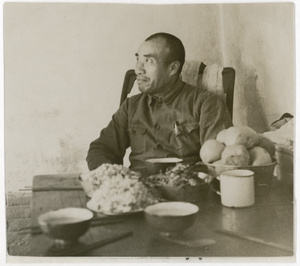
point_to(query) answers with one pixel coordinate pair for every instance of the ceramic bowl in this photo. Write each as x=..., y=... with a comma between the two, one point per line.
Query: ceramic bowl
x=168, y=217
x=156, y=165
x=187, y=193
x=65, y=224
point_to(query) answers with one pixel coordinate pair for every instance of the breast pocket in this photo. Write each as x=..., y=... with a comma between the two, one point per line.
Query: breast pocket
x=137, y=136
x=188, y=139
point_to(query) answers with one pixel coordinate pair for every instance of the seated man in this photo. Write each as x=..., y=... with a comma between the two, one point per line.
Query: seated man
x=169, y=118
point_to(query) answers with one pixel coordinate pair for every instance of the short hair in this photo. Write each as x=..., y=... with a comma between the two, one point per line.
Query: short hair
x=177, y=52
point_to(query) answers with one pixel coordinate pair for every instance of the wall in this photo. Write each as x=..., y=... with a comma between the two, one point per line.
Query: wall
x=64, y=66
x=259, y=44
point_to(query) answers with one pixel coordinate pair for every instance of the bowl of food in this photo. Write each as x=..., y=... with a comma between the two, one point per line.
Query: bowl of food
x=240, y=147
x=179, y=183
x=66, y=224
x=160, y=165
x=170, y=217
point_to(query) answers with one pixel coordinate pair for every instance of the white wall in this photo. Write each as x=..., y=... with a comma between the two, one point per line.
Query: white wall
x=259, y=44
x=64, y=66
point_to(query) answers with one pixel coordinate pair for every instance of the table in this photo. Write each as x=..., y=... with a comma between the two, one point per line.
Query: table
x=270, y=219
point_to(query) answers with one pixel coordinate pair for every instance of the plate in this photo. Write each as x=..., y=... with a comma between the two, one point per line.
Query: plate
x=93, y=207
x=164, y=160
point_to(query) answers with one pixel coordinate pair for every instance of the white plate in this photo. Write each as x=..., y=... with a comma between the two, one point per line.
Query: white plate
x=164, y=160
x=93, y=207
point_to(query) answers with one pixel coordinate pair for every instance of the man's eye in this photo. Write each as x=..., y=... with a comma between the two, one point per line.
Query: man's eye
x=149, y=60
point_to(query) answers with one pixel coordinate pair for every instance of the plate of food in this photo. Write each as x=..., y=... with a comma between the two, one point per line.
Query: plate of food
x=119, y=191
x=93, y=206
x=93, y=180
x=164, y=160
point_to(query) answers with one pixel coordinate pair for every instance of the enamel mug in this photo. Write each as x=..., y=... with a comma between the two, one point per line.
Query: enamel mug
x=237, y=188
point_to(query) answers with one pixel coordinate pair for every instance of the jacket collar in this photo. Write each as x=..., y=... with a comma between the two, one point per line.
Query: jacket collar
x=169, y=94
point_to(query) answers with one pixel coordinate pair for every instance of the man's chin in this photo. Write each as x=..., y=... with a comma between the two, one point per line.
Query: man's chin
x=143, y=89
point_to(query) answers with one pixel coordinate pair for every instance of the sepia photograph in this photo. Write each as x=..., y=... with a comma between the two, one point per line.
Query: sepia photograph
x=149, y=132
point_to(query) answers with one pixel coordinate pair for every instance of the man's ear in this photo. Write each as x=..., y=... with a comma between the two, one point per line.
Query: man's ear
x=174, y=67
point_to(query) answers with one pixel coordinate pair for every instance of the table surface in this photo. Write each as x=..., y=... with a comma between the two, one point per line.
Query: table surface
x=270, y=219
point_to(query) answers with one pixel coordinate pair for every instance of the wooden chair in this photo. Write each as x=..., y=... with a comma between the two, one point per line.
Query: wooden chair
x=228, y=75
x=129, y=80
x=228, y=84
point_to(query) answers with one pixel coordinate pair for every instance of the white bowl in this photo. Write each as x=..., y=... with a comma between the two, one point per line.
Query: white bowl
x=171, y=216
x=65, y=224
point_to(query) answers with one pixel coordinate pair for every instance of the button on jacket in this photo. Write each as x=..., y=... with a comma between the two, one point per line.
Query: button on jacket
x=175, y=124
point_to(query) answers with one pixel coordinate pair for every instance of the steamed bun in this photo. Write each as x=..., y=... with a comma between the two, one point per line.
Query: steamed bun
x=241, y=135
x=236, y=155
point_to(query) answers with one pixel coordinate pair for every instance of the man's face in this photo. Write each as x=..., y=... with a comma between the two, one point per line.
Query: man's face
x=153, y=74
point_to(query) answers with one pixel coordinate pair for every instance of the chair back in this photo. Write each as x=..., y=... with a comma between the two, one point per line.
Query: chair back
x=228, y=75
x=129, y=80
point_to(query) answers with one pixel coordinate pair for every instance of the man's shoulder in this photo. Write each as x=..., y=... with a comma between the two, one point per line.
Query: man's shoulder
x=199, y=95
x=194, y=90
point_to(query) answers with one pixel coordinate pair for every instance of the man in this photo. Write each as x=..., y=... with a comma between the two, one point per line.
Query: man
x=169, y=118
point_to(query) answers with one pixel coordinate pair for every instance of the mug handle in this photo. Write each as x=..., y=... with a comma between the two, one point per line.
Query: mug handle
x=215, y=190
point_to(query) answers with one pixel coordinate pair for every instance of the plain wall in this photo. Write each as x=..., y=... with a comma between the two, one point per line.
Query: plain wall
x=64, y=66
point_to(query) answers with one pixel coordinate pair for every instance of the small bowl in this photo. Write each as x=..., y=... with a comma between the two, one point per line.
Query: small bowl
x=156, y=165
x=187, y=193
x=169, y=217
x=66, y=224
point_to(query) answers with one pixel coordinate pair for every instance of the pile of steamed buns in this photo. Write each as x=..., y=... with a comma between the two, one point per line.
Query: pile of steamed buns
x=239, y=146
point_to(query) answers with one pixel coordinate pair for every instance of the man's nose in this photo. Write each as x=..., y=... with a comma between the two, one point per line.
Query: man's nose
x=139, y=68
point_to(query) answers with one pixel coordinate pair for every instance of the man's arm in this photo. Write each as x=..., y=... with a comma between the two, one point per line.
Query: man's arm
x=111, y=146
x=214, y=117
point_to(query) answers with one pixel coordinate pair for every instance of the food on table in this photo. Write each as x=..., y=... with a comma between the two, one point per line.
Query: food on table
x=118, y=189
x=243, y=147
x=106, y=170
x=236, y=155
x=179, y=175
x=242, y=135
x=267, y=144
x=259, y=156
x=222, y=135
x=211, y=150
x=219, y=162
